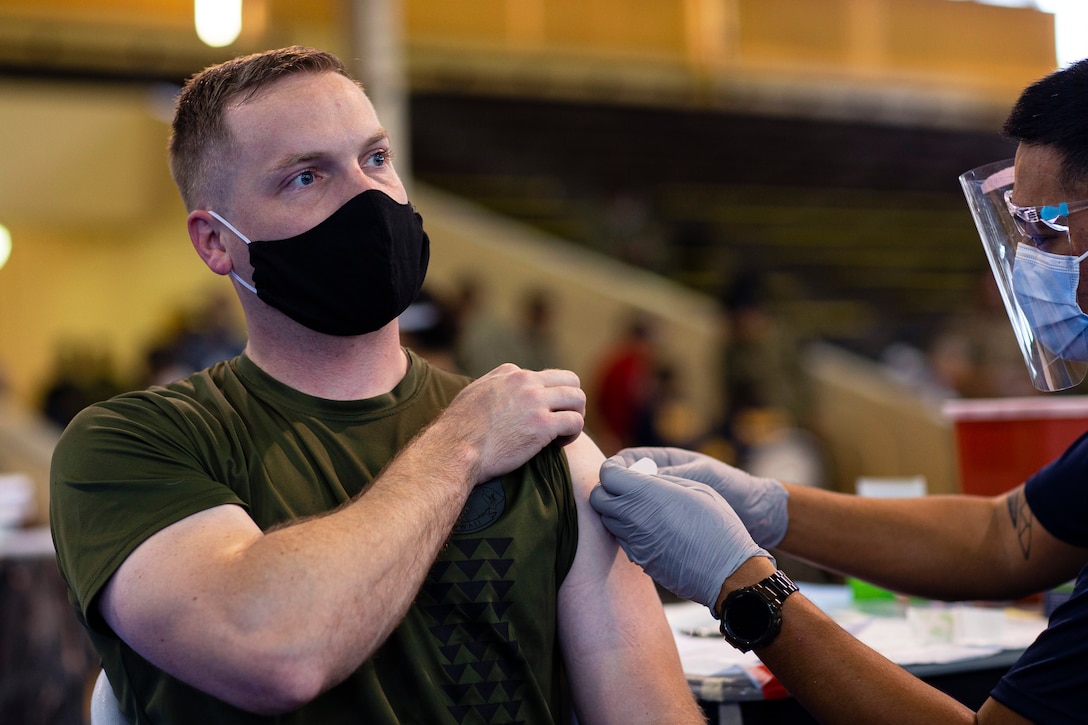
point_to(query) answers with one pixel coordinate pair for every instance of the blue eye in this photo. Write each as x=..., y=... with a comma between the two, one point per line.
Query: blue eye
x=304, y=179
x=378, y=158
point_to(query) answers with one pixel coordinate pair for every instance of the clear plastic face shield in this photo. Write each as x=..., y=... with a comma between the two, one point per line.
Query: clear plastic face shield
x=1031, y=254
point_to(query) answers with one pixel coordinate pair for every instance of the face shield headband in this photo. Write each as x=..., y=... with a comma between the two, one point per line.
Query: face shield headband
x=1040, y=288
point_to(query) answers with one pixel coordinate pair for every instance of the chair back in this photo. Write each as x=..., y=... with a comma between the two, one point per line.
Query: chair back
x=104, y=707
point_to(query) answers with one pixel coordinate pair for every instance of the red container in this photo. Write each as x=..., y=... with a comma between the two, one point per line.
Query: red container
x=1001, y=442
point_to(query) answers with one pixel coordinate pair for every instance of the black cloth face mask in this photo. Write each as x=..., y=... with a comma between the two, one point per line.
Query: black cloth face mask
x=351, y=274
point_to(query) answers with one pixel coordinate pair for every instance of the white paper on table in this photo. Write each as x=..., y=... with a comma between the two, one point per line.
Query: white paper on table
x=707, y=654
x=896, y=637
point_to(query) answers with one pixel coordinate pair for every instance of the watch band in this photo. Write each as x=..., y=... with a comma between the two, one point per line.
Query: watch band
x=773, y=592
x=777, y=587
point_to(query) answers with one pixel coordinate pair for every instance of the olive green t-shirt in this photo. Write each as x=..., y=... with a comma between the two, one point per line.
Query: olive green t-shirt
x=478, y=644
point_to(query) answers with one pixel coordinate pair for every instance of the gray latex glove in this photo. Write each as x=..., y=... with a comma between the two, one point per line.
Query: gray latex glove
x=760, y=502
x=681, y=532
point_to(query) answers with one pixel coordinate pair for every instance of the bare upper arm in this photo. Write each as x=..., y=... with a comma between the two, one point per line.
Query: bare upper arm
x=993, y=712
x=612, y=626
x=161, y=600
x=1037, y=559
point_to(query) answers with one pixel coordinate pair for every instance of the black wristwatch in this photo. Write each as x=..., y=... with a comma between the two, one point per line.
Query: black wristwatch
x=752, y=616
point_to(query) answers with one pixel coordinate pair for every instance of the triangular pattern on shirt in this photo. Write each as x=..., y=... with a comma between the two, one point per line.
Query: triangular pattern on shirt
x=487, y=689
x=477, y=611
x=501, y=566
x=438, y=569
x=472, y=589
x=450, y=652
x=471, y=568
x=500, y=545
x=511, y=687
x=511, y=710
x=437, y=591
x=483, y=668
x=477, y=649
x=502, y=588
x=457, y=693
x=454, y=672
x=487, y=710
x=459, y=712
x=467, y=547
x=443, y=632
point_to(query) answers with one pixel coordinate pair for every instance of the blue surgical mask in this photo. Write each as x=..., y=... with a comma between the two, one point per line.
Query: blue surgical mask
x=1046, y=289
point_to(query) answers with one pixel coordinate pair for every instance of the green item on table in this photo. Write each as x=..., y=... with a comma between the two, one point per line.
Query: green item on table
x=864, y=591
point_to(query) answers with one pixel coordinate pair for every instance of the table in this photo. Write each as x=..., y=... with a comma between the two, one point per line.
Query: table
x=960, y=649
x=46, y=659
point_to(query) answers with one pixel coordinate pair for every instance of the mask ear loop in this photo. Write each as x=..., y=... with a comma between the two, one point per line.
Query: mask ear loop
x=245, y=239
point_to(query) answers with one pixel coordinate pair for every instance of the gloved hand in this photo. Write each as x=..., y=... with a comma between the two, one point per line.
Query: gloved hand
x=760, y=502
x=681, y=532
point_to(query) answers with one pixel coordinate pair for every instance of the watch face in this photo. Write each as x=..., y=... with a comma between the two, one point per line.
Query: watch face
x=748, y=617
x=752, y=616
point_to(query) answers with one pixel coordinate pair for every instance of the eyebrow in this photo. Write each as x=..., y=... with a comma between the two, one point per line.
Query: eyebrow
x=294, y=159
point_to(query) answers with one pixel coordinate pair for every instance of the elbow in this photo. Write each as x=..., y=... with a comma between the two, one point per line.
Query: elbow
x=289, y=693
x=265, y=676
x=282, y=685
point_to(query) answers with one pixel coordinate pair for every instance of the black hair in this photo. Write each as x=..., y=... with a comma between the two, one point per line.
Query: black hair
x=1053, y=112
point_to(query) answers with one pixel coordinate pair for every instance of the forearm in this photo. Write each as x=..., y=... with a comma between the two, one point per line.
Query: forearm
x=840, y=680
x=945, y=547
x=368, y=558
x=268, y=621
x=836, y=677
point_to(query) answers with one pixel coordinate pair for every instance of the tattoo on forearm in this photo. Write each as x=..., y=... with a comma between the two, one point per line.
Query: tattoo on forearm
x=1020, y=515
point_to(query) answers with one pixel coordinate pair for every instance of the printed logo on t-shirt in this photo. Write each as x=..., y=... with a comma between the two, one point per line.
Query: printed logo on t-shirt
x=484, y=507
x=466, y=602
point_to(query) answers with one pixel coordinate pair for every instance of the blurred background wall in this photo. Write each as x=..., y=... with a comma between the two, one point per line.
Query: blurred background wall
x=682, y=160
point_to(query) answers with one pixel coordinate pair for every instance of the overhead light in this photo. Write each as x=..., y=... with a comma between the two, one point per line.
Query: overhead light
x=218, y=22
x=5, y=245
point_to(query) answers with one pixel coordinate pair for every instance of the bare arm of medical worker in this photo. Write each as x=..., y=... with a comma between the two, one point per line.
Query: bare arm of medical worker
x=942, y=547
x=840, y=680
x=618, y=648
x=259, y=619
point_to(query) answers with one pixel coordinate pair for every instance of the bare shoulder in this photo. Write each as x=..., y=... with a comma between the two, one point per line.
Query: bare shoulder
x=584, y=459
x=599, y=564
x=597, y=549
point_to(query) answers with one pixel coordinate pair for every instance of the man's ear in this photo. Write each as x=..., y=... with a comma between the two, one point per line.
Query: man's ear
x=204, y=232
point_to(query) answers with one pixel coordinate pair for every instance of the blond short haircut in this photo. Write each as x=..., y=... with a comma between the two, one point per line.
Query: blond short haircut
x=200, y=142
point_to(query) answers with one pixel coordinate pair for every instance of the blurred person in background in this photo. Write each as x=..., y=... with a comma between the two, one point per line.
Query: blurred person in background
x=428, y=327
x=195, y=339
x=975, y=354
x=536, y=332
x=83, y=373
x=624, y=384
x=762, y=358
x=704, y=529
x=484, y=338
